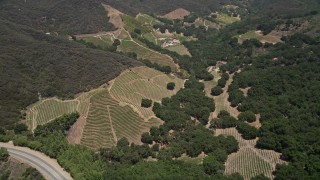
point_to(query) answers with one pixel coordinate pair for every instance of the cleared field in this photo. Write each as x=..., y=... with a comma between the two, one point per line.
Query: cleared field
x=142, y=82
x=180, y=49
x=49, y=109
x=249, y=161
x=145, y=53
x=259, y=36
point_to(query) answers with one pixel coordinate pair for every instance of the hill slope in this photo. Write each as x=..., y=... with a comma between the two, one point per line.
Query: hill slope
x=62, y=16
x=32, y=62
x=161, y=7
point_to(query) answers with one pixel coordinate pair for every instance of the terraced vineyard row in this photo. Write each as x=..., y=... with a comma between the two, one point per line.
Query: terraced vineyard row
x=107, y=119
x=233, y=132
x=98, y=130
x=108, y=122
x=248, y=164
x=48, y=110
x=145, y=53
x=132, y=86
x=249, y=161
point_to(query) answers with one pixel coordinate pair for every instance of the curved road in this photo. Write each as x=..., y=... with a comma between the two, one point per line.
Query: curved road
x=49, y=168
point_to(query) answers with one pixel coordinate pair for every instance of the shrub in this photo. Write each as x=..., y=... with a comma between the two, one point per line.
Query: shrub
x=19, y=128
x=146, y=103
x=247, y=131
x=146, y=138
x=247, y=116
x=216, y=91
x=222, y=82
x=4, y=154
x=171, y=86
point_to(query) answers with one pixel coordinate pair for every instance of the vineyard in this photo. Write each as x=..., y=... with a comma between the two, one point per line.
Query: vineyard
x=134, y=85
x=145, y=53
x=249, y=161
x=107, y=122
x=47, y=110
x=113, y=113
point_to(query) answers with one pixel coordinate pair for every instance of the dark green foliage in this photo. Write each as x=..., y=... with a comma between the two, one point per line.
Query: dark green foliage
x=146, y=103
x=155, y=147
x=224, y=120
x=235, y=97
x=2, y=131
x=282, y=92
x=260, y=177
x=227, y=122
x=247, y=116
x=19, y=128
x=165, y=69
x=5, y=175
x=137, y=31
x=235, y=176
x=247, y=131
x=116, y=43
x=127, y=155
x=190, y=18
x=61, y=124
x=212, y=166
x=192, y=83
x=162, y=7
x=223, y=114
x=32, y=173
x=225, y=76
x=123, y=142
x=220, y=155
x=157, y=170
x=222, y=82
x=62, y=16
x=4, y=154
x=216, y=91
x=171, y=86
x=196, y=104
x=146, y=138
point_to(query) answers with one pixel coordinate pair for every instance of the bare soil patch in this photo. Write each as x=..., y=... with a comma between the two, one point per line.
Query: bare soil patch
x=257, y=124
x=245, y=91
x=75, y=132
x=177, y=14
x=114, y=16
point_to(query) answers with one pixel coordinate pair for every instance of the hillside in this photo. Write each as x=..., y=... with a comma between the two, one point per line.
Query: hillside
x=240, y=103
x=284, y=7
x=162, y=7
x=34, y=64
x=61, y=16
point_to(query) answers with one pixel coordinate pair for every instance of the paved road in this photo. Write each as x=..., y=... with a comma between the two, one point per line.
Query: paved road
x=49, y=168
